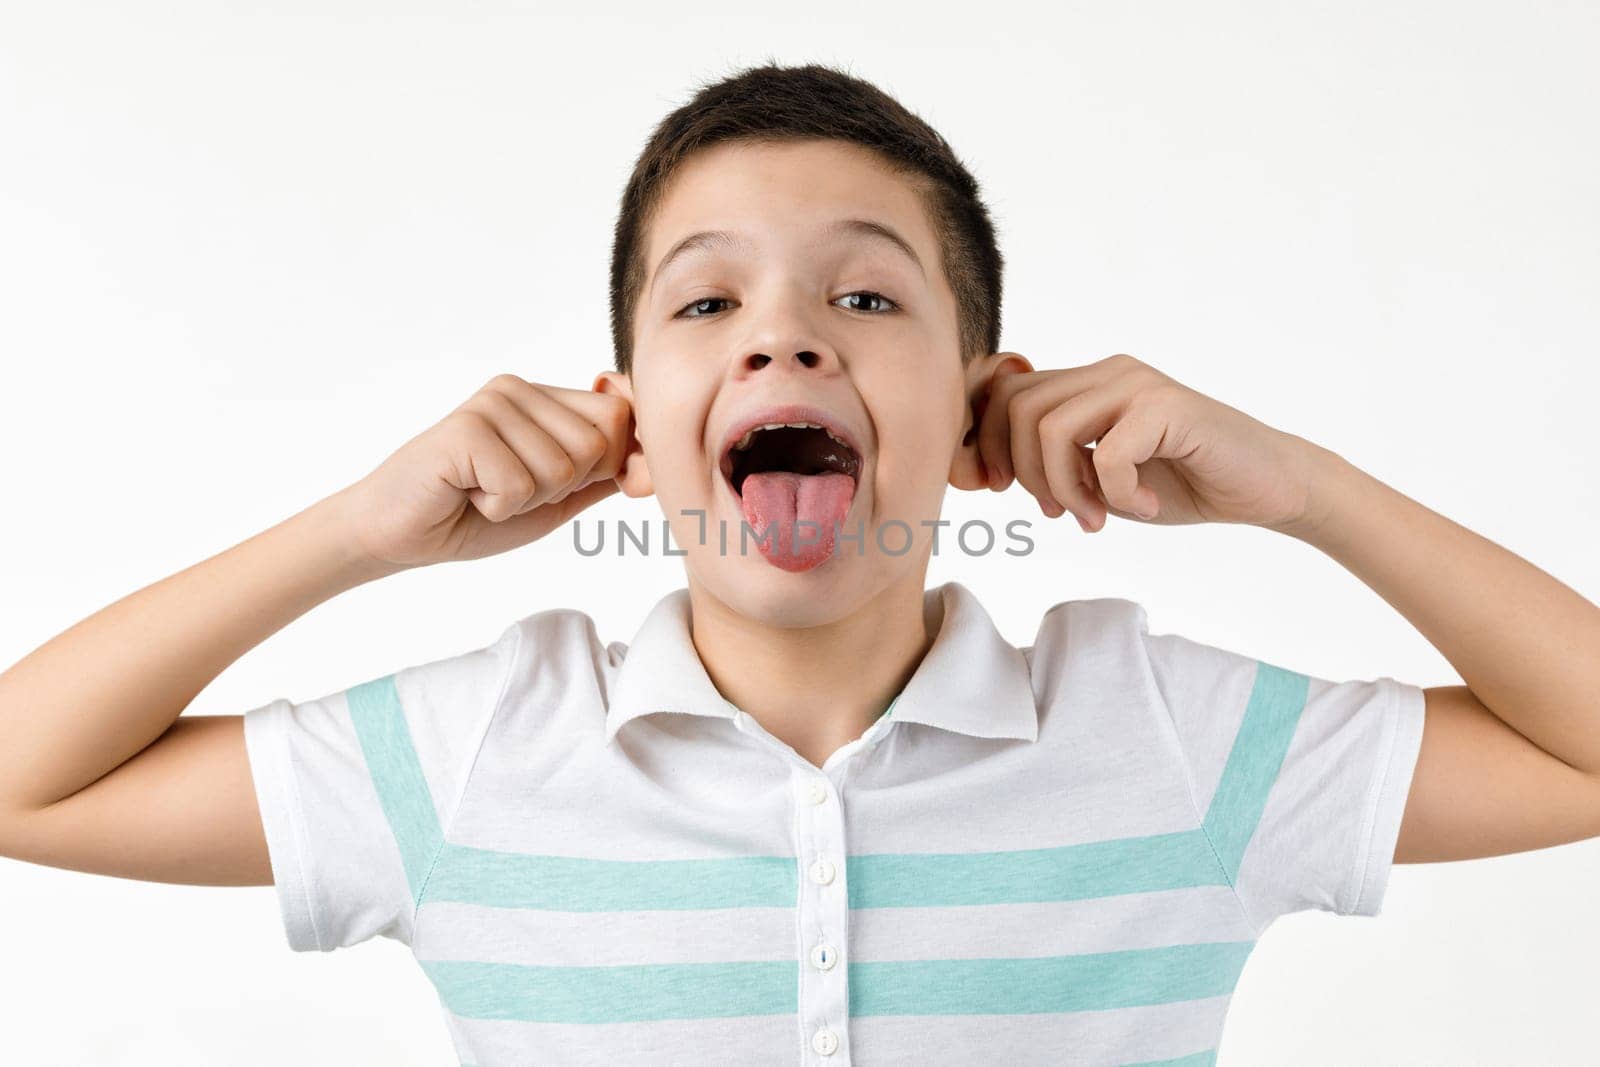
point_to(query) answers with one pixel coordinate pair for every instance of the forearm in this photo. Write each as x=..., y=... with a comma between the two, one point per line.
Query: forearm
x=98, y=693
x=1525, y=644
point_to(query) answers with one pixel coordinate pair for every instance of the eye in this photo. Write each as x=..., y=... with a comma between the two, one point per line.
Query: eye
x=707, y=300
x=694, y=310
x=875, y=296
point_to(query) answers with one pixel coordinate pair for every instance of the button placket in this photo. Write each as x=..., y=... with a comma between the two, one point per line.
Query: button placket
x=824, y=1000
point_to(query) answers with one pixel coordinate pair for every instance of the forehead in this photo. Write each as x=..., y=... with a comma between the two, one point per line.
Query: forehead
x=788, y=191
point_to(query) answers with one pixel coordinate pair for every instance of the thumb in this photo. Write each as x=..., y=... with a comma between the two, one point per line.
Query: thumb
x=576, y=501
x=531, y=525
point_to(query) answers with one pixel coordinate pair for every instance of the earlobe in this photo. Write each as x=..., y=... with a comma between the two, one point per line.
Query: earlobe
x=967, y=469
x=634, y=474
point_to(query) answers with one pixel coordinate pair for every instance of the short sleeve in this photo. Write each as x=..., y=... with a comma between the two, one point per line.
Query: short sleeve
x=1300, y=782
x=357, y=788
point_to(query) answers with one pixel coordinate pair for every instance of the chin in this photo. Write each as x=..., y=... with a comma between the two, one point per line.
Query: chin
x=771, y=596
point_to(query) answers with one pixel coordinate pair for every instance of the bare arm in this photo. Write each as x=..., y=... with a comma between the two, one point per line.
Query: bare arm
x=105, y=696
x=98, y=771
x=1511, y=760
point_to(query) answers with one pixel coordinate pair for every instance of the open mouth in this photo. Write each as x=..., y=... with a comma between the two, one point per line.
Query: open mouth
x=800, y=448
x=795, y=481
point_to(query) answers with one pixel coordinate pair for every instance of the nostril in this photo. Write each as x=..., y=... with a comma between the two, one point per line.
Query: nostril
x=758, y=361
x=808, y=359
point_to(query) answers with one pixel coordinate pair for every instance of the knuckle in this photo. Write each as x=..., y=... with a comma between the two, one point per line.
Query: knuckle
x=495, y=403
x=1055, y=421
x=506, y=408
x=471, y=422
x=521, y=485
x=1102, y=459
x=563, y=470
x=1017, y=405
x=504, y=380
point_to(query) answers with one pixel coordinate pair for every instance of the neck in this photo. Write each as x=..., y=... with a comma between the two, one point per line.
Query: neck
x=816, y=688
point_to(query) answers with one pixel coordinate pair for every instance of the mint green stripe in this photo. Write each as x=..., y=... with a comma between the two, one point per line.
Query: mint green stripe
x=1199, y=1059
x=1179, y=860
x=1276, y=700
x=570, y=883
x=380, y=725
x=646, y=992
x=1090, y=982
x=499, y=879
x=617, y=994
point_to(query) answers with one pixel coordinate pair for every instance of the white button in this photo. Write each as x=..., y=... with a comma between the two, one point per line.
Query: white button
x=816, y=791
x=825, y=1041
x=824, y=956
x=822, y=872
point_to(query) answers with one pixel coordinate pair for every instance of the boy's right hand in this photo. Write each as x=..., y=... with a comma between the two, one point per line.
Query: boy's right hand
x=509, y=465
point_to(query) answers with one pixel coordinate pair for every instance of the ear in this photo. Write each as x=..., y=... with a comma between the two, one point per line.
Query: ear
x=967, y=469
x=634, y=474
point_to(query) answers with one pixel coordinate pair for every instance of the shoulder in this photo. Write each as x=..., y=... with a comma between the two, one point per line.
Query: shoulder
x=1088, y=646
x=555, y=632
x=554, y=646
x=1087, y=624
x=1112, y=637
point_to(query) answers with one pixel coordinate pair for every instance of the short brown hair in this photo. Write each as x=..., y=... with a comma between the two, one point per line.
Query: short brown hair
x=771, y=103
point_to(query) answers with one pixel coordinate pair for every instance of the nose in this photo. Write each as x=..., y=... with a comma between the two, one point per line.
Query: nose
x=806, y=358
x=784, y=344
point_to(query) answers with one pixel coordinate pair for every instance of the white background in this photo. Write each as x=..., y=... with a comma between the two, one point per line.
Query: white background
x=247, y=255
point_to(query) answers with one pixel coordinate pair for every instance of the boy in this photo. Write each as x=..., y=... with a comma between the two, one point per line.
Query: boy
x=812, y=812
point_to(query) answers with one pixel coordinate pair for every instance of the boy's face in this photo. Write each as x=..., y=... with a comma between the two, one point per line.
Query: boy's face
x=730, y=334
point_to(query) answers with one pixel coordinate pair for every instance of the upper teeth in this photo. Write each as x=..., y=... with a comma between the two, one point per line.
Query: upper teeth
x=744, y=442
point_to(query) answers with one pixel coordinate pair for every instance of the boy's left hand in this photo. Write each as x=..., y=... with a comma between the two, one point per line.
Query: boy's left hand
x=1165, y=453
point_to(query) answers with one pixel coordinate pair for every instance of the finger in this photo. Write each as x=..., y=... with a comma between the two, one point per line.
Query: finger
x=579, y=499
x=584, y=443
x=614, y=416
x=1067, y=464
x=994, y=430
x=519, y=529
x=552, y=469
x=1132, y=441
x=1067, y=431
x=1027, y=452
x=1029, y=410
x=596, y=407
x=483, y=466
x=611, y=414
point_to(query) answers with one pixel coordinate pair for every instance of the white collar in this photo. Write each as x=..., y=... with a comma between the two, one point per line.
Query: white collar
x=971, y=681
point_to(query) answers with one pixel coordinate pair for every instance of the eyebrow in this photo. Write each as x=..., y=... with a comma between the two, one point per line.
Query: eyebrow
x=733, y=242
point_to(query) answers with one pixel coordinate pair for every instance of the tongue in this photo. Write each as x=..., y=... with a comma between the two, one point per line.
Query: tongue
x=805, y=508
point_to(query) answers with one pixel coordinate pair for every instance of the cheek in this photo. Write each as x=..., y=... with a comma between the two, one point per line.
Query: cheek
x=927, y=415
x=671, y=436
x=671, y=411
x=918, y=444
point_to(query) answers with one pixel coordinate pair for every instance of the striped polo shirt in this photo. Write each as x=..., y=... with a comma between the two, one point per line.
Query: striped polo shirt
x=1062, y=853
